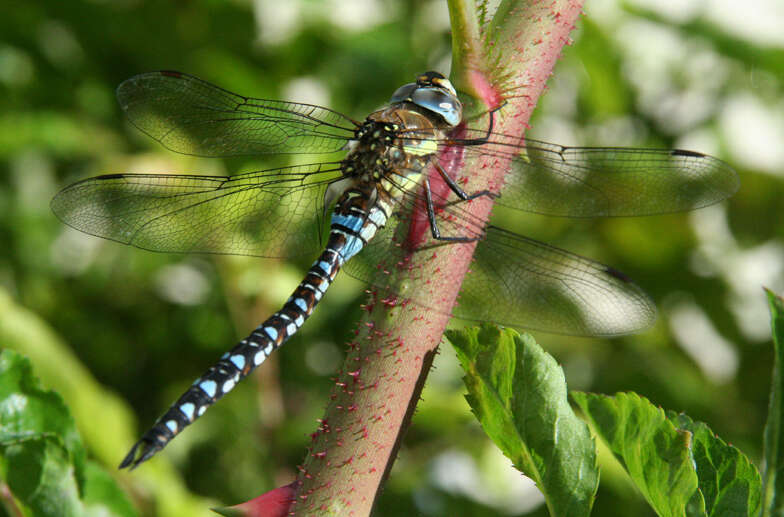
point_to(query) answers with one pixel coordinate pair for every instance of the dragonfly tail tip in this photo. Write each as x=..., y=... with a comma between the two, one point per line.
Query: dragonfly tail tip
x=146, y=450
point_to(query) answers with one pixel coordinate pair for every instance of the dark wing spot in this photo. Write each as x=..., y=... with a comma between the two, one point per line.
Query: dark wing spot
x=681, y=152
x=617, y=274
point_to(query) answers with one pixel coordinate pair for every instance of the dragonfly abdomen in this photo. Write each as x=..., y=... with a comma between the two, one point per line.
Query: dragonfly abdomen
x=354, y=222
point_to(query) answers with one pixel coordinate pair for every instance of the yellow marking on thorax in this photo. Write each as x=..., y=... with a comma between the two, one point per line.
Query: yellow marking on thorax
x=421, y=147
x=395, y=187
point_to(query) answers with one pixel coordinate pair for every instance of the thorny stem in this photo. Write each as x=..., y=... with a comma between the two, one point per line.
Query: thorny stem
x=370, y=407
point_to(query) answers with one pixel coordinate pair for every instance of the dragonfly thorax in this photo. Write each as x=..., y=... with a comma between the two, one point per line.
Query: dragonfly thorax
x=393, y=147
x=395, y=144
x=368, y=150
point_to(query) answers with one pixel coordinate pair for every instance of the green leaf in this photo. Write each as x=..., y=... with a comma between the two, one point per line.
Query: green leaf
x=42, y=455
x=656, y=455
x=518, y=393
x=729, y=482
x=40, y=475
x=29, y=412
x=107, y=423
x=773, y=493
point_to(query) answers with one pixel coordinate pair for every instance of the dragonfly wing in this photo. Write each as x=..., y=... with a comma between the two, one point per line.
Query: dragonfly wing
x=557, y=180
x=269, y=213
x=191, y=116
x=541, y=287
x=513, y=280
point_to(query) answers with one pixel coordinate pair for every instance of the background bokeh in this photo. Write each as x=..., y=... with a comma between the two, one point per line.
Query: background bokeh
x=122, y=332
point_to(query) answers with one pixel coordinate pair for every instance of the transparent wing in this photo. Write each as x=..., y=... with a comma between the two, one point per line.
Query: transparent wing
x=191, y=116
x=269, y=213
x=541, y=287
x=556, y=180
x=513, y=280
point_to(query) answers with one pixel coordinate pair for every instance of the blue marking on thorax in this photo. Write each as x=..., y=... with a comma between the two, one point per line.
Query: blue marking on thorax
x=351, y=222
x=353, y=246
x=378, y=216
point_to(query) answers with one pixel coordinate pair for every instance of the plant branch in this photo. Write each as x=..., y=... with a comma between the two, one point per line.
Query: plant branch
x=507, y=60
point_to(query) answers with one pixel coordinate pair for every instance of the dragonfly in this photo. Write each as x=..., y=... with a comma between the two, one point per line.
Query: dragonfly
x=402, y=168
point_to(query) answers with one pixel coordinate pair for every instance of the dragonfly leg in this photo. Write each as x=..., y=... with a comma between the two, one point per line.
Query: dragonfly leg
x=431, y=217
x=454, y=187
x=486, y=138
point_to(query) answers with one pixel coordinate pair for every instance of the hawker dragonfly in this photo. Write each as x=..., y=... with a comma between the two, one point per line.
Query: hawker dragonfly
x=384, y=185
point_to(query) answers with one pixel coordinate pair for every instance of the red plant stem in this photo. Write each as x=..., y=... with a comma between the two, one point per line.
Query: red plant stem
x=375, y=395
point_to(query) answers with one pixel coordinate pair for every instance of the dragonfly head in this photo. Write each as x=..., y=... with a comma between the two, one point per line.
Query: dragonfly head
x=433, y=92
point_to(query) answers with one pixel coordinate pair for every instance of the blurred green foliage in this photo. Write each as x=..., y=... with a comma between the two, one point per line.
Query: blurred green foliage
x=43, y=456
x=119, y=326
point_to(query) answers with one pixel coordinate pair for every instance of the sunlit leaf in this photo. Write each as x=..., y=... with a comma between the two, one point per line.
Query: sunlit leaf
x=28, y=412
x=518, y=393
x=42, y=456
x=656, y=455
x=729, y=482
